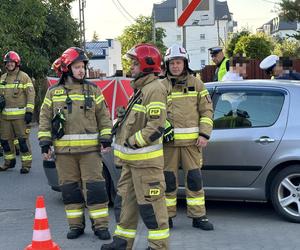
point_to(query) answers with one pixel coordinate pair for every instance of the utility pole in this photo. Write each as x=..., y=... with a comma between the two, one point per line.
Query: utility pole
x=153, y=28
x=82, y=5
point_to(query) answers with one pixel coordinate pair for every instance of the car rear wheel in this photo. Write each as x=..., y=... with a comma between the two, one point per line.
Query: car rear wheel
x=285, y=193
x=110, y=188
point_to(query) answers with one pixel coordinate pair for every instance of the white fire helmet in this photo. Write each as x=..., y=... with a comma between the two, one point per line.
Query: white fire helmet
x=176, y=52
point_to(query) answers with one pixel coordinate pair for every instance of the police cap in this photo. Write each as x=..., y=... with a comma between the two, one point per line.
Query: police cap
x=269, y=62
x=215, y=50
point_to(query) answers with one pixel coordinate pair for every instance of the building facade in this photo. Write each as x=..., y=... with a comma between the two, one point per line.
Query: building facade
x=198, y=38
x=105, y=56
x=279, y=28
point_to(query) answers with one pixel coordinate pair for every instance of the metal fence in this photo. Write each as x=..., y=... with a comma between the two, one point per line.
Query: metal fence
x=253, y=70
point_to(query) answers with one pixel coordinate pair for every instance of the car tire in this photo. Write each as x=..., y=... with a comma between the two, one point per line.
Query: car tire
x=110, y=188
x=285, y=193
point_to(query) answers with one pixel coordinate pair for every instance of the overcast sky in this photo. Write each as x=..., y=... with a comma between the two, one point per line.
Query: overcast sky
x=104, y=17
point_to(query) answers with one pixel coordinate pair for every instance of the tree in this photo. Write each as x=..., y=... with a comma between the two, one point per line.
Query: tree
x=235, y=37
x=140, y=32
x=290, y=11
x=288, y=48
x=255, y=46
x=39, y=31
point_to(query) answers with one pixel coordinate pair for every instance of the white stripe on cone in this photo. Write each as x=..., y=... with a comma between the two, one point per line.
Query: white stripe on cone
x=41, y=235
x=40, y=213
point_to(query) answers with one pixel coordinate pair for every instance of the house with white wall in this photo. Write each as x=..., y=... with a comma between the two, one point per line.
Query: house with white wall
x=105, y=56
x=198, y=38
x=279, y=28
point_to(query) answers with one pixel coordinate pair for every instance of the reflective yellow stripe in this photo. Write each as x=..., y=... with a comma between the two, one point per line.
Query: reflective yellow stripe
x=9, y=157
x=144, y=153
x=159, y=105
x=13, y=111
x=99, y=213
x=182, y=95
x=206, y=120
x=106, y=131
x=30, y=106
x=139, y=108
x=26, y=158
x=191, y=136
x=171, y=202
x=47, y=102
x=74, y=97
x=81, y=143
x=99, y=99
x=140, y=139
x=127, y=233
x=44, y=134
x=16, y=142
x=204, y=93
x=138, y=157
x=195, y=201
x=75, y=213
x=16, y=85
x=158, y=234
x=186, y=133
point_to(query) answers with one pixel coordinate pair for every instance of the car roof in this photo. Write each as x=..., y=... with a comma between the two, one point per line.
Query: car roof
x=257, y=82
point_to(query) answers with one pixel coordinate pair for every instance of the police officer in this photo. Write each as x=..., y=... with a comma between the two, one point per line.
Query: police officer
x=279, y=68
x=138, y=149
x=268, y=64
x=16, y=105
x=221, y=61
x=188, y=128
x=75, y=120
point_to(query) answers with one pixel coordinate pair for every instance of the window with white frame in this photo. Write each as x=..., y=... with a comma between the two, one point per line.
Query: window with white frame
x=202, y=36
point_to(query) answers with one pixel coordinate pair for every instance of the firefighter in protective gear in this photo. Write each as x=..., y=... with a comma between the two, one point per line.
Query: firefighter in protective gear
x=189, y=112
x=138, y=149
x=84, y=127
x=17, y=103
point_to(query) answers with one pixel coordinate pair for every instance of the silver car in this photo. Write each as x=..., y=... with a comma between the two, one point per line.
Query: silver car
x=254, y=150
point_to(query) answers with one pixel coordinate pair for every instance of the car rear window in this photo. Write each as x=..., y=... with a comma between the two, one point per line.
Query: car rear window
x=247, y=108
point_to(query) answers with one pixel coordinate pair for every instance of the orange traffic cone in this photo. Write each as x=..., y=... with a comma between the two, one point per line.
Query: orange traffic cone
x=41, y=239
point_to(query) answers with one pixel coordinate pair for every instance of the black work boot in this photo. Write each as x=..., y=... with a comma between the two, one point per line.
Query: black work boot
x=117, y=244
x=102, y=233
x=12, y=163
x=74, y=233
x=149, y=248
x=170, y=222
x=203, y=223
x=24, y=170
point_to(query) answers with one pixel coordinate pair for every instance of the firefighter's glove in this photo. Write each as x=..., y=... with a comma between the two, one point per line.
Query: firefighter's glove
x=2, y=102
x=45, y=149
x=129, y=145
x=58, y=123
x=28, y=117
x=105, y=142
x=45, y=146
x=169, y=132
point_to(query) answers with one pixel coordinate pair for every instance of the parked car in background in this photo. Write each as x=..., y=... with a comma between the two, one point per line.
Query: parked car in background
x=253, y=153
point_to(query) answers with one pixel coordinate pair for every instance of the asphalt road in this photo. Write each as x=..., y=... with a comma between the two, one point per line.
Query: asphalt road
x=238, y=225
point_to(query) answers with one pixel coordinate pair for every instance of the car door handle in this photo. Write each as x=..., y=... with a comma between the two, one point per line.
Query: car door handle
x=265, y=140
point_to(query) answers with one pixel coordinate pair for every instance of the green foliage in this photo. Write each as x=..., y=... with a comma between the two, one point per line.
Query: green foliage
x=235, y=37
x=290, y=10
x=254, y=46
x=140, y=32
x=288, y=48
x=39, y=31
